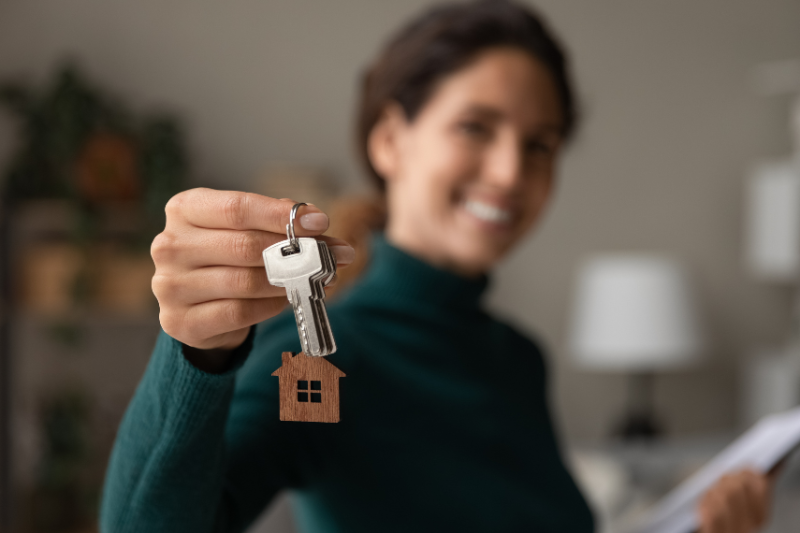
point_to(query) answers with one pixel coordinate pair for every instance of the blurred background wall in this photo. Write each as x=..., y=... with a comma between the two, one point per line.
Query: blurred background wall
x=671, y=126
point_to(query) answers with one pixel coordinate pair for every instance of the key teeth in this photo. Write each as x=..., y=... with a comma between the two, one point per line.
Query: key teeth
x=300, y=321
x=303, y=325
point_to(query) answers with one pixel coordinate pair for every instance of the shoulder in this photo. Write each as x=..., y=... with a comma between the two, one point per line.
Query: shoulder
x=521, y=347
x=516, y=335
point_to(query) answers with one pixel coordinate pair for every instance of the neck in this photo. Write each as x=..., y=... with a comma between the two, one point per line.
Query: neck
x=428, y=252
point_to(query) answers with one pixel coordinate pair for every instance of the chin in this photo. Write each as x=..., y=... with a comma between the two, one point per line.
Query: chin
x=483, y=245
x=477, y=255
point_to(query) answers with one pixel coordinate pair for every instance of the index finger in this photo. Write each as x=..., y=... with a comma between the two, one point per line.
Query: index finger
x=212, y=209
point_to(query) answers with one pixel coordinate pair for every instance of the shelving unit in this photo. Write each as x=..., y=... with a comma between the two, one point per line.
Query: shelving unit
x=106, y=365
x=5, y=369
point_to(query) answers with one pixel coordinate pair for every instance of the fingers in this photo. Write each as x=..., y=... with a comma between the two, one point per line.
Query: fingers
x=202, y=247
x=344, y=253
x=215, y=283
x=204, y=323
x=737, y=503
x=714, y=513
x=755, y=491
x=208, y=208
x=738, y=508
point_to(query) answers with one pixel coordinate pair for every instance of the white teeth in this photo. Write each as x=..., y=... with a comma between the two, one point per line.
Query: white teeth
x=487, y=212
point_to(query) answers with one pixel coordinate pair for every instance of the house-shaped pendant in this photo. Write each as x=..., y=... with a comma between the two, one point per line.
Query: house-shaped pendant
x=309, y=388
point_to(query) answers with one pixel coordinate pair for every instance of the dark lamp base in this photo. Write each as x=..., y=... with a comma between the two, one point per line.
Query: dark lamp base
x=639, y=422
x=638, y=427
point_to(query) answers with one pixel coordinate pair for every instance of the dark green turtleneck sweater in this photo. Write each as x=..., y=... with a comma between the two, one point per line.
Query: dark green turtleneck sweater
x=445, y=425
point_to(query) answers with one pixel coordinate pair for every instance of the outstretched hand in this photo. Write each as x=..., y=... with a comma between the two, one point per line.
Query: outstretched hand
x=210, y=280
x=737, y=503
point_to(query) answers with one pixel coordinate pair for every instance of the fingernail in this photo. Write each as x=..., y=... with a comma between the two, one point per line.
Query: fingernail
x=314, y=221
x=344, y=254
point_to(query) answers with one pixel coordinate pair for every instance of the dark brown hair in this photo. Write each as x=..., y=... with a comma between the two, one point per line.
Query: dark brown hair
x=442, y=41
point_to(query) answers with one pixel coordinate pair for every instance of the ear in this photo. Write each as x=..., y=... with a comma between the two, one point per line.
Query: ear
x=384, y=142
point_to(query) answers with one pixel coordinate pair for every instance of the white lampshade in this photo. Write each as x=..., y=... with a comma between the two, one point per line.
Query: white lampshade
x=634, y=312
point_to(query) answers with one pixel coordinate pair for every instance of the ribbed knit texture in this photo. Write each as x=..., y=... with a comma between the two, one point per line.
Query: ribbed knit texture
x=444, y=426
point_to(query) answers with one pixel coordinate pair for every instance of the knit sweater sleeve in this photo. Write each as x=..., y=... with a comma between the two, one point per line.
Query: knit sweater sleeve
x=199, y=452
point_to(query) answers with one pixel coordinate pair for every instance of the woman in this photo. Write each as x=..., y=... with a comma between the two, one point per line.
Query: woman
x=445, y=425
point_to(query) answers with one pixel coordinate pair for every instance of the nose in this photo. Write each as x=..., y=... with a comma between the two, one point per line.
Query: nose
x=504, y=162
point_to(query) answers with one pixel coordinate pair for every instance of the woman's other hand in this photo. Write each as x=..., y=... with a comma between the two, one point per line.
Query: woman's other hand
x=210, y=280
x=737, y=503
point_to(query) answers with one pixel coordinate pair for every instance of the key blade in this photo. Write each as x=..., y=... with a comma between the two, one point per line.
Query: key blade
x=312, y=319
x=306, y=323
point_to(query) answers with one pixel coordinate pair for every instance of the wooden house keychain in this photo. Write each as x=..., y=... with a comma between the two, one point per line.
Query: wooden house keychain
x=309, y=384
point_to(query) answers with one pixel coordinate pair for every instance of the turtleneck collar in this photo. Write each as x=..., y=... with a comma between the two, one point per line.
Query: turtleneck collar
x=398, y=275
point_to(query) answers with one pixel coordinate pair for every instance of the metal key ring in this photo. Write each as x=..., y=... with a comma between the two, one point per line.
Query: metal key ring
x=290, y=227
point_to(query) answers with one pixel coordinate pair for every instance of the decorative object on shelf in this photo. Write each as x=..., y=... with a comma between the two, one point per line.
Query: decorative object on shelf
x=106, y=170
x=80, y=144
x=635, y=313
x=48, y=277
x=122, y=280
x=112, y=172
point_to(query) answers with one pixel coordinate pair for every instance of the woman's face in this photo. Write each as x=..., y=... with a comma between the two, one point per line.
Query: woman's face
x=474, y=170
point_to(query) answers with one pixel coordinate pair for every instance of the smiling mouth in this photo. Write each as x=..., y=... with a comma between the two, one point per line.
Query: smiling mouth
x=487, y=212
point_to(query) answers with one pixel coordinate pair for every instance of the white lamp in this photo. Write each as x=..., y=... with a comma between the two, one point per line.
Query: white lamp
x=635, y=313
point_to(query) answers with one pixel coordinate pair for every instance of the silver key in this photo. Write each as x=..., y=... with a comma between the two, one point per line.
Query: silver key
x=320, y=281
x=304, y=266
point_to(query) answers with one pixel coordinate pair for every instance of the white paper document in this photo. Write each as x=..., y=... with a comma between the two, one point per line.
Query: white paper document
x=759, y=449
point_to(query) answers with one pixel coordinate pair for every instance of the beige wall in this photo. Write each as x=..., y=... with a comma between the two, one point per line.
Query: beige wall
x=670, y=128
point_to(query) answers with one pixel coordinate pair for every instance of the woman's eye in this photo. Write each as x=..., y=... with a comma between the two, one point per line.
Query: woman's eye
x=538, y=148
x=474, y=129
